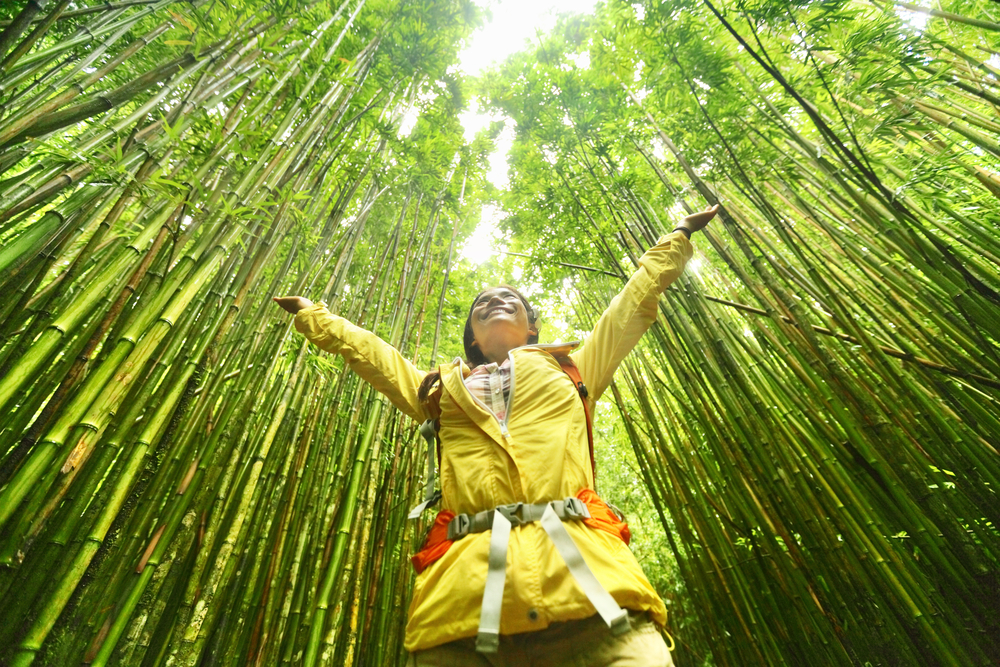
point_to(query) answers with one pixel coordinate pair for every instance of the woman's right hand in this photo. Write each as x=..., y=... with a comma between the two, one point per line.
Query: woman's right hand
x=293, y=304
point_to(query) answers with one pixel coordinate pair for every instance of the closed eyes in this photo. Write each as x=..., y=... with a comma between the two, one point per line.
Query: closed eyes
x=485, y=299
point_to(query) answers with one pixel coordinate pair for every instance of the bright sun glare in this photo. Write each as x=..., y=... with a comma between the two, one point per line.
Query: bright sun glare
x=514, y=22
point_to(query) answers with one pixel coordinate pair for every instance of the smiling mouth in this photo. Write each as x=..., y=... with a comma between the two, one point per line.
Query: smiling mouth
x=501, y=309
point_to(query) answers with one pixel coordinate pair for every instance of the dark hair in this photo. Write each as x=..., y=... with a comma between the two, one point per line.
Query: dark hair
x=473, y=355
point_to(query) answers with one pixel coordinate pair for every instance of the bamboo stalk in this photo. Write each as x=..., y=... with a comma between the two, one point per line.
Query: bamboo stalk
x=201, y=487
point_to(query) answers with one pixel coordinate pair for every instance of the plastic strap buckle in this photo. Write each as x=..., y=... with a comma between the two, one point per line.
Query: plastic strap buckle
x=513, y=513
x=487, y=641
x=575, y=509
x=428, y=429
x=459, y=527
x=620, y=624
x=419, y=509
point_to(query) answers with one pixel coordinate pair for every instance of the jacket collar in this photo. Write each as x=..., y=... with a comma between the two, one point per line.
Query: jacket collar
x=555, y=349
x=453, y=378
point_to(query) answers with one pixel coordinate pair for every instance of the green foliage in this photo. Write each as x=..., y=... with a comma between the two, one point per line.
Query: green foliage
x=803, y=443
x=813, y=234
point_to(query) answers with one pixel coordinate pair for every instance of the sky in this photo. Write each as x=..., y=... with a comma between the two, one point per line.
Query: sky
x=514, y=22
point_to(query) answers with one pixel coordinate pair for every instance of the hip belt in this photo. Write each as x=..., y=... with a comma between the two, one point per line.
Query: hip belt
x=551, y=516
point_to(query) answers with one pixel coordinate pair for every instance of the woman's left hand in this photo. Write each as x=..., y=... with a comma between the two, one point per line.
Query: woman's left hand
x=697, y=221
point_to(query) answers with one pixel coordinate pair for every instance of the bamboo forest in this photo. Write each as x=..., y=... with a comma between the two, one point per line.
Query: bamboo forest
x=805, y=442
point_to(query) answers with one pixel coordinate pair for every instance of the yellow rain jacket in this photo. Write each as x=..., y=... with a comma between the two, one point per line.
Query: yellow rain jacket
x=540, y=454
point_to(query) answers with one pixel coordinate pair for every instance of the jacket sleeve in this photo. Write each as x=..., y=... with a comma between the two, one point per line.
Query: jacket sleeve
x=377, y=362
x=631, y=312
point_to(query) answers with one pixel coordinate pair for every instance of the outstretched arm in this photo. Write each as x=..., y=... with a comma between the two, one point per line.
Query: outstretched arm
x=633, y=310
x=377, y=362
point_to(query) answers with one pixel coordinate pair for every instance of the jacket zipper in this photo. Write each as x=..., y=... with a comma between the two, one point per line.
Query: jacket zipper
x=510, y=397
x=503, y=422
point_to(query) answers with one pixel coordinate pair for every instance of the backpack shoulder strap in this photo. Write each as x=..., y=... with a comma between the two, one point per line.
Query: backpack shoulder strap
x=429, y=432
x=433, y=404
x=573, y=372
x=434, y=411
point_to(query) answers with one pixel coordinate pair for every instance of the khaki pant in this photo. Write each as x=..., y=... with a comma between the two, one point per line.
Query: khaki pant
x=586, y=643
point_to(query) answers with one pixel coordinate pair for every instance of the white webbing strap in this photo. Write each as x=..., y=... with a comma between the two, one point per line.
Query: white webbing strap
x=488, y=639
x=428, y=431
x=614, y=616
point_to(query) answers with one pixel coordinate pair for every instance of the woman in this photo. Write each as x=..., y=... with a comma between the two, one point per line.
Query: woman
x=520, y=585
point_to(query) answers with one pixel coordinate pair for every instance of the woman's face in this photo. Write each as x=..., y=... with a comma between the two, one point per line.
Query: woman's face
x=499, y=317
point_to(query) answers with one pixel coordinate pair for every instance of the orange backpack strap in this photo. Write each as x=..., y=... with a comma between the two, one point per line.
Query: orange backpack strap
x=573, y=372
